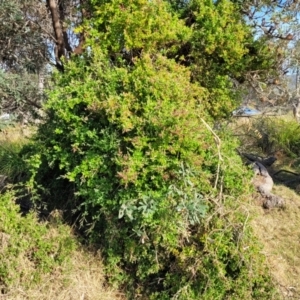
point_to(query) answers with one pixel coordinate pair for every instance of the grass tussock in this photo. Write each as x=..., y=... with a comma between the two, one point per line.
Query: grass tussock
x=269, y=134
x=12, y=140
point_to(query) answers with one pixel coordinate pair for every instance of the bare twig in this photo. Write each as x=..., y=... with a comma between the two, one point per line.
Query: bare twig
x=218, y=143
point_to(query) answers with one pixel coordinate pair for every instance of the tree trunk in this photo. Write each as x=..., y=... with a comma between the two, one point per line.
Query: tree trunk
x=58, y=31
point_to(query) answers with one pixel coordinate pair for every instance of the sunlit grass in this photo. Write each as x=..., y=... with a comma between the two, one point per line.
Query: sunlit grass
x=279, y=231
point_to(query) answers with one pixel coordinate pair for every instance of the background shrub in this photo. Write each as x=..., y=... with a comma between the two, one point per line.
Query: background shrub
x=268, y=135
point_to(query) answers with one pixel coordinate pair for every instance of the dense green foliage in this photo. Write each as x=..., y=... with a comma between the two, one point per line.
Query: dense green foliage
x=144, y=181
x=219, y=51
x=127, y=146
x=209, y=37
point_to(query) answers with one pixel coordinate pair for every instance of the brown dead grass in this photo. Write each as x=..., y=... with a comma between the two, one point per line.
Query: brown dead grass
x=79, y=278
x=16, y=133
x=83, y=280
x=279, y=232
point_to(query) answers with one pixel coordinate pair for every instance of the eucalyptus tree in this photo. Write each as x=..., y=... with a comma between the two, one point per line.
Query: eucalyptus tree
x=34, y=33
x=276, y=25
x=34, y=42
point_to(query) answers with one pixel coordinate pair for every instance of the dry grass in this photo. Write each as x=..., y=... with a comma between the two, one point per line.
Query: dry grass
x=80, y=279
x=279, y=231
x=16, y=133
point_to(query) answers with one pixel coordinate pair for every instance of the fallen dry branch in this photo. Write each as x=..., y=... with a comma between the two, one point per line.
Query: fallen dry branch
x=267, y=162
x=286, y=171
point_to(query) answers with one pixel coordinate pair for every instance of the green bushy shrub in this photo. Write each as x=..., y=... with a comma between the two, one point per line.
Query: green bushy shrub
x=150, y=180
x=128, y=148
